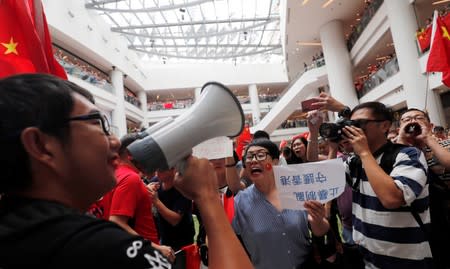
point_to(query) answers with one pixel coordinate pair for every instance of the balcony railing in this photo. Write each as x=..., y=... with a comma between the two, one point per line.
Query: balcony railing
x=389, y=69
x=179, y=104
x=133, y=100
x=367, y=15
x=315, y=64
x=296, y=123
x=78, y=72
x=81, y=69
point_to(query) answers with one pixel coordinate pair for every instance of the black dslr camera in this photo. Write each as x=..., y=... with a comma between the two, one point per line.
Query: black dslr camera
x=333, y=131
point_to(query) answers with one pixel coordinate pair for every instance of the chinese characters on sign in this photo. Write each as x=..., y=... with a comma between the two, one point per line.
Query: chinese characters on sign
x=321, y=181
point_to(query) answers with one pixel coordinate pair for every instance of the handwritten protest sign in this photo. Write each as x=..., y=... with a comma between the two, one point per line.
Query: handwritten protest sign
x=320, y=181
x=215, y=148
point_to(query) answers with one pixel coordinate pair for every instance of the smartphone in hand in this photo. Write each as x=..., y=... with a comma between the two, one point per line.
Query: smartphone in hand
x=307, y=105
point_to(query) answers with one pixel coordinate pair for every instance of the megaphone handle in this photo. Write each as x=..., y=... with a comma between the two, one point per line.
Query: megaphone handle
x=180, y=166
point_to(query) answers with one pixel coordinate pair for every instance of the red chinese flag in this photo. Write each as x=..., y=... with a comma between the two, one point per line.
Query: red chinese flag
x=424, y=38
x=25, y=44
x=439, y=57
x=242, y=140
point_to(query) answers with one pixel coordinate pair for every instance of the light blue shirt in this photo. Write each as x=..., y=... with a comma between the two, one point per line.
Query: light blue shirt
x=273, y=239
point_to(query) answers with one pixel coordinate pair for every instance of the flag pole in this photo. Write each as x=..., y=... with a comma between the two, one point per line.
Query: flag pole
x=433, y=28
x=433, y=31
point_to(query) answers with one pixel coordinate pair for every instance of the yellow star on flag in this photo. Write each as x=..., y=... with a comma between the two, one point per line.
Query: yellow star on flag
x=445, y=33
x=10, y=47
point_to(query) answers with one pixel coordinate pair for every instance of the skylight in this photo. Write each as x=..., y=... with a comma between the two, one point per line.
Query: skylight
x=176, y=31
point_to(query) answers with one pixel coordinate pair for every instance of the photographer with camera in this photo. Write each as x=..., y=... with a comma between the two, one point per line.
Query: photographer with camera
x=385, y=194
x=389, y=182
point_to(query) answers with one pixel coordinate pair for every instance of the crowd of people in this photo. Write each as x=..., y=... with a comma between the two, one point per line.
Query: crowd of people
x=377, y=73
x=293, y=123
x=165, y=105
x=317, y=61
x=370, y=8
x=73, y=196
x=79, y=68
x=131, y=98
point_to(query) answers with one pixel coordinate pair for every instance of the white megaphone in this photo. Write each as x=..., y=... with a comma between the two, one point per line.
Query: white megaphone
x=216, y=113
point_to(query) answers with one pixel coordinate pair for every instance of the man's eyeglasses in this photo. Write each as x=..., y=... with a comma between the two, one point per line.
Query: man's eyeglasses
x=361, y=123
x=95, y=116
x=417, y=118
x=260, y=156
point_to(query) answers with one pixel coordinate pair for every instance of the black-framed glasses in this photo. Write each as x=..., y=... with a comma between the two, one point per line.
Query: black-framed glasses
x=361, y=123
x=416, y=118
x=260, y=156
x=95, y=116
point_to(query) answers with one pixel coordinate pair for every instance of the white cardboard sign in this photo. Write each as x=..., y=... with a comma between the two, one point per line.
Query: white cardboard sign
x=321, y=181
x=215, y=148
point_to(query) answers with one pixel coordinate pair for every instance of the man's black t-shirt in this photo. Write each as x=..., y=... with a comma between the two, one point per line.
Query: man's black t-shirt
x=181, y=234
x=44, y=234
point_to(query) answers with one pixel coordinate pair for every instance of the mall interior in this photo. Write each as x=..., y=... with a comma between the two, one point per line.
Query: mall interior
x=145, y=61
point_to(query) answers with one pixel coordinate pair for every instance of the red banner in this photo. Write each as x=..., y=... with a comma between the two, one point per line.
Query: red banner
x=25, y=44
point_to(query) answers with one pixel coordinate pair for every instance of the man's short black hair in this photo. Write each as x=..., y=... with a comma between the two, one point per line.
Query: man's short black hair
x=416, y=109
x=261, y=134
x=379, y=110
x=438, y=129
x=39, y=100
x=126, y=140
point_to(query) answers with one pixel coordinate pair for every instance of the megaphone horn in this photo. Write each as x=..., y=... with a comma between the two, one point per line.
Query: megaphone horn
x=216, y=113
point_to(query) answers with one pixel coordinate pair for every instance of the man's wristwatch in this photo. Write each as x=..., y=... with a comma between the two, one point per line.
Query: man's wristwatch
x=345, y=113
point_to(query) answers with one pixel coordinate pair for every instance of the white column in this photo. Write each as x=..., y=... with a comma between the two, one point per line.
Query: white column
x=118, y=114
x=197, y=94
x=402, y=23
x=254, y=101
x=143, y=99
x=338, y=63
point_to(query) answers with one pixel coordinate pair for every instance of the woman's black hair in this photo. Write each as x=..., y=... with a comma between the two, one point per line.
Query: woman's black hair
x=274, y=152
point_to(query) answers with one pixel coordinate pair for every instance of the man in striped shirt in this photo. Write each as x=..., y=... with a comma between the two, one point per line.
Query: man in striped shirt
x=383, y=225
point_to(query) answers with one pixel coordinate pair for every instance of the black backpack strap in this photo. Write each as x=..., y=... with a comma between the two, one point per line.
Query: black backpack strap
x=355, y=167
x=390, y=151
x=419, y=220
x=387, y=162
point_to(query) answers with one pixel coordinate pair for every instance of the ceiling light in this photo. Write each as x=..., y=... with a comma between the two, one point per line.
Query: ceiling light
x=440, y=2
x=309, y=43
x=305, y=2
x=327, y=3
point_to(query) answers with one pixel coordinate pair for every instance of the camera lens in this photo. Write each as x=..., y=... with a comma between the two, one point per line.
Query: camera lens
x=330, y=131
x=325, y=130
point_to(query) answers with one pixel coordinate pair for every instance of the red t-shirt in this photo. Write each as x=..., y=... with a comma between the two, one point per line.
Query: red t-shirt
x=130, y=198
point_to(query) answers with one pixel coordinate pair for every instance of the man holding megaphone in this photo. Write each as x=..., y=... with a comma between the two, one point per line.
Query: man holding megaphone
x=59, y=158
